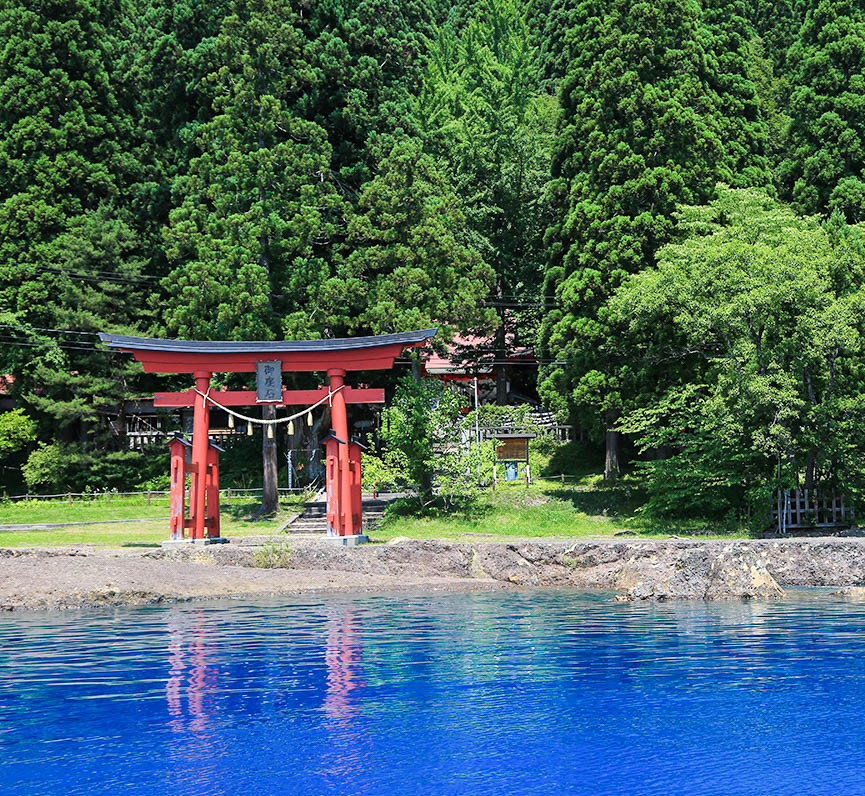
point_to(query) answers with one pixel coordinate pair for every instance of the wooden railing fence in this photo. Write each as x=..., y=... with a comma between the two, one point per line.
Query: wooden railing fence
x=809, y=508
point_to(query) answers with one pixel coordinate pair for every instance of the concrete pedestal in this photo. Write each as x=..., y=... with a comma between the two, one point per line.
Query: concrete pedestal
x=188, y=542
x=349, y=541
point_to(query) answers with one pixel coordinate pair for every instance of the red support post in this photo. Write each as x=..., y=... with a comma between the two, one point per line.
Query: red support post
x=331, y=448
x=178, y=488
x=200, y=431
x=355, y=451
x=339, y=420
x=212, y=487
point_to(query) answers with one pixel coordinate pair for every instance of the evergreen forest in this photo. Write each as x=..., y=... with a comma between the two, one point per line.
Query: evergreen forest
x=665, y=200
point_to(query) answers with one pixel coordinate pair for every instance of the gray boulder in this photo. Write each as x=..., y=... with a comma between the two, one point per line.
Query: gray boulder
x=734, y=571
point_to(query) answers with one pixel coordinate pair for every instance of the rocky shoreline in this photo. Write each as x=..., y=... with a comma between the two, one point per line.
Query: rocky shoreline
x=39, y=578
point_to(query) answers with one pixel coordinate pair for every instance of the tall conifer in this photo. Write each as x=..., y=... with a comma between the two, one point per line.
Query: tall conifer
x=69, y=254
x=256, y=211
x=641, y=131
x=824, y=169
x=491, y=127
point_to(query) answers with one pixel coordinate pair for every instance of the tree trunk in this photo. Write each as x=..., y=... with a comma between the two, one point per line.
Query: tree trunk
x=269, y=492
x=416, y=367
x=613, y=437
x=811, y=468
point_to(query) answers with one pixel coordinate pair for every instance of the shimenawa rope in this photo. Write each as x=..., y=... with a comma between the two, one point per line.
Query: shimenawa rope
x=276, y=421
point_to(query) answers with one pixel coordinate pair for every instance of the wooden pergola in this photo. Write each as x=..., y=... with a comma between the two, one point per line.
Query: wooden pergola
x=201, y=359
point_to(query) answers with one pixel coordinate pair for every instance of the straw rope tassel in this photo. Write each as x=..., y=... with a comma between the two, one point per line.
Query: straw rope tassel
x=309, y=418
x=270, y=432
x=291, y=428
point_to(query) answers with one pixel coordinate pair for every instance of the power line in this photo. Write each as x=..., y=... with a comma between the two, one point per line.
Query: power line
x=46, y=329
x=97, y=276
x=22, y=342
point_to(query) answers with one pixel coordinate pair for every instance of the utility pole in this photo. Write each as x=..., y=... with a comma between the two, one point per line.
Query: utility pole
x=477, y=430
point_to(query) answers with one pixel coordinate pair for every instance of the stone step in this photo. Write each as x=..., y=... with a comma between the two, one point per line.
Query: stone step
x=314, y=517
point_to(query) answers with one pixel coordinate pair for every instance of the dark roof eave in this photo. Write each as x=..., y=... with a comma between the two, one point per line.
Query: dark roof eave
x=124, y=342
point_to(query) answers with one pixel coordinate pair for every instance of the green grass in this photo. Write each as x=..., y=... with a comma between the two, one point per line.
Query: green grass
x=145, y=526
x=546, y=509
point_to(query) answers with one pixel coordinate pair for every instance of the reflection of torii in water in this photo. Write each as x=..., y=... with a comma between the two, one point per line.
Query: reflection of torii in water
x=190, y=675
x=344, y=668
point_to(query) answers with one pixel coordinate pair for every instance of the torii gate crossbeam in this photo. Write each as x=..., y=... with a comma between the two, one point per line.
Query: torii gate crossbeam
x=201, y=359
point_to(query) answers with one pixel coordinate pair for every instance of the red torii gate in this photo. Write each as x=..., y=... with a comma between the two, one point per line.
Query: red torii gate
x=202, y=359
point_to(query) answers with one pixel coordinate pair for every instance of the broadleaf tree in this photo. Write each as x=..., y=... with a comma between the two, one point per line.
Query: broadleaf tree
x=641, y=130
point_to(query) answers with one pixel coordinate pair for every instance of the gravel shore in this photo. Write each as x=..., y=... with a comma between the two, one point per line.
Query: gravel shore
x=39, y=578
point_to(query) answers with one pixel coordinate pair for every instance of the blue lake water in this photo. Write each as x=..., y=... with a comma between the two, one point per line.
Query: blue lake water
x=536, y=692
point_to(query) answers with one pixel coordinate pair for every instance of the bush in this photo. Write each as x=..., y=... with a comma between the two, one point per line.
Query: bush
x=56, y=468
x=46, y=467
x=16, y=430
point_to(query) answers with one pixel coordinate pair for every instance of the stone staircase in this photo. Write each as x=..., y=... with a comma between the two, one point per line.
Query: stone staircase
x=313, y=520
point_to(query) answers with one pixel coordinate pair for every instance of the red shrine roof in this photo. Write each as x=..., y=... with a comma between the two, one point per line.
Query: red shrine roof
x=482, y=350
x=159, y=355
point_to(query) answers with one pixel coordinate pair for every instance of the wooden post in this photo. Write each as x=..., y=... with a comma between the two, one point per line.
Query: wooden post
x=212, y=487
x=269, y=491
x=69, y=497
x=563, y=479
x=148, y=498
x=495, y=476
x=528, y=476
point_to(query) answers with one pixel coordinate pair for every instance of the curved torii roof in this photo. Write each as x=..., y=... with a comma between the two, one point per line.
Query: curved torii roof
x=159, y=355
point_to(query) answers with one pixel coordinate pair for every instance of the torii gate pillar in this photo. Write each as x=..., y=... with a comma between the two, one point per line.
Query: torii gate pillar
x=200, y=427
x=339, y=423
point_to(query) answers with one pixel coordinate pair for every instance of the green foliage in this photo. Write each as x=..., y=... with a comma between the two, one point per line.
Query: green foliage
x=256, y=207
x=421, y=424
x=58, y=467
x=491, y=128
x=823, y=170
x=580, y=459
x=412, y=266
x=643, y=128
x=383, y=473
x=769, y=307
x=273, y=554
x=70, y=257
x=776, y=23
x=45, y=467
x=366, y=58
x=16, y=430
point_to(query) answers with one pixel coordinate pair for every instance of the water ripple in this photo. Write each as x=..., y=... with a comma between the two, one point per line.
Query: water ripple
x=533, y=692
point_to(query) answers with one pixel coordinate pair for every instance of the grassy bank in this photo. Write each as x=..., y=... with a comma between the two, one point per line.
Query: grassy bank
x=127, y=521
x=546, y=509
